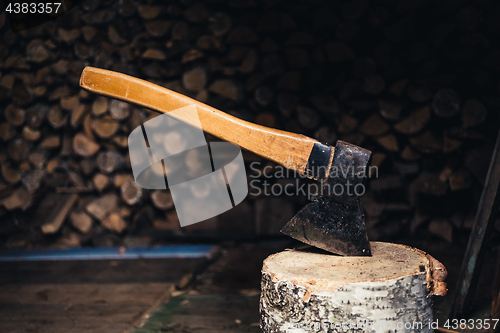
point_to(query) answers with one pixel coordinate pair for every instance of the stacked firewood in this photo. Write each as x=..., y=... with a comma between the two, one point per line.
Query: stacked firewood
x=415, y=82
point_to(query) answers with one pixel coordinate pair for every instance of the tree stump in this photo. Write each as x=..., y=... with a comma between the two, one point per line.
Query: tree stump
x=312, y=291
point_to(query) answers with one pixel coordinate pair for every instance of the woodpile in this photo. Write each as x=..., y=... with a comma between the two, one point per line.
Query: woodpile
x=422, y=94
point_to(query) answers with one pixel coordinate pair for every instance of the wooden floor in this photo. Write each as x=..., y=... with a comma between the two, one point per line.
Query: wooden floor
x=223, y=298
x=217, y=313
x=140, y=296
x=85, y=296
x=111, y=296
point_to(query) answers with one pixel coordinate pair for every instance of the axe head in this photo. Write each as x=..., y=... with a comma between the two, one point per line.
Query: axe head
x=331, y=225
x=334, y=221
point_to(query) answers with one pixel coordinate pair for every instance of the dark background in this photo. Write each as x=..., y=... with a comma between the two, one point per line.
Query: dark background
x=416, y=82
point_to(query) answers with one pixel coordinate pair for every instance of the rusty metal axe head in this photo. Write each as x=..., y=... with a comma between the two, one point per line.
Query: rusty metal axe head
x=334, y=221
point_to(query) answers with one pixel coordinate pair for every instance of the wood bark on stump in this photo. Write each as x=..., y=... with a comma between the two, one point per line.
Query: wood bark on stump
x=304, y=290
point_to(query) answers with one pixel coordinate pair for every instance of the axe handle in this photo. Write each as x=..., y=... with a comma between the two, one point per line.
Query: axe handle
x=288, y=149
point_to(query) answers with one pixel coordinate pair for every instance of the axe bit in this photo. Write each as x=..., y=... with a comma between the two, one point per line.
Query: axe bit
x=333, y=221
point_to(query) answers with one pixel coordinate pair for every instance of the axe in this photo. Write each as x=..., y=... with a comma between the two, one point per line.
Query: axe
x=333, y=221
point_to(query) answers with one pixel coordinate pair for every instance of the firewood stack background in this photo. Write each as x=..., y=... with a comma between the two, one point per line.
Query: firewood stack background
x=416, y=82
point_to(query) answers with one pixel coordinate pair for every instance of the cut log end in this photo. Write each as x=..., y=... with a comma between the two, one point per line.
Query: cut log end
x=309, y=287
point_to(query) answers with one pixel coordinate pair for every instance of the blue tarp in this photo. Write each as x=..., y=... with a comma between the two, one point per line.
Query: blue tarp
x=174, y=251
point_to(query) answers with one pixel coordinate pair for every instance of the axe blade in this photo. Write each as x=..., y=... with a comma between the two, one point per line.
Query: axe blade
x=331, y=225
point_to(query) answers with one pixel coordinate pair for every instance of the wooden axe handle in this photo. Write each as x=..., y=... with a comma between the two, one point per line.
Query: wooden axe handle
x=288, y=149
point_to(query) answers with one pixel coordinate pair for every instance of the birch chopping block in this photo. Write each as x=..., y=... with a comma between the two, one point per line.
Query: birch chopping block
x=311, y=291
